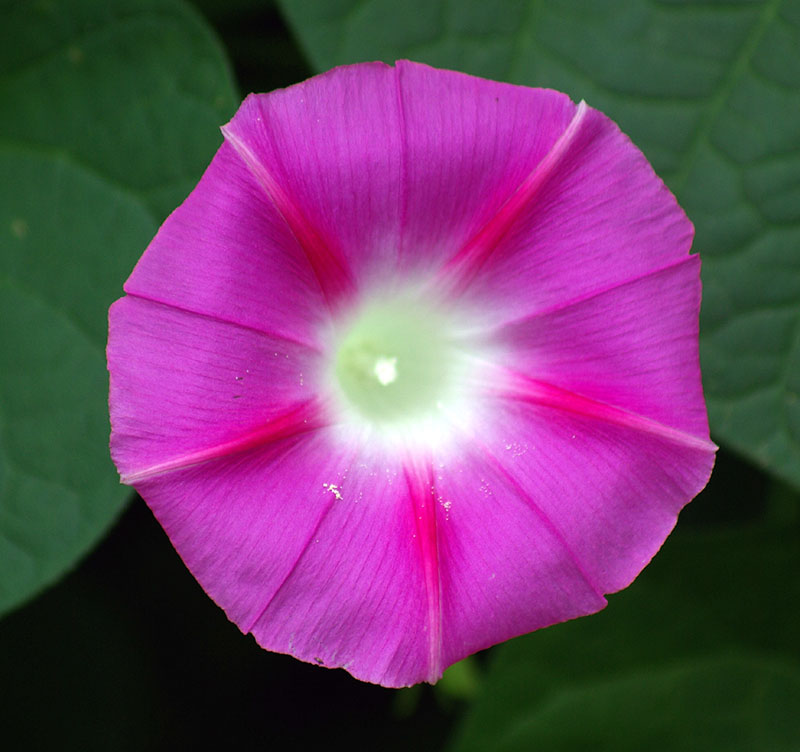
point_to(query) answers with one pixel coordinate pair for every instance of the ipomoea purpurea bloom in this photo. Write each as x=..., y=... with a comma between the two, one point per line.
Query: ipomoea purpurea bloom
x=414, y=368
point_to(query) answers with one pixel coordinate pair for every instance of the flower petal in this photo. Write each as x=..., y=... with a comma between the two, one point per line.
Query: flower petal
x=328, y=152
x=470, y=143
x=242, y=522
x=603, y=217
x=505, y=568
x=186, y=388
x=359, y=597
x=610, y=484
x=633, y=346
x=228, y=254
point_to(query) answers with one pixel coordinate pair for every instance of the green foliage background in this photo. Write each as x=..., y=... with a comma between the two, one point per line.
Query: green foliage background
x=109, y=112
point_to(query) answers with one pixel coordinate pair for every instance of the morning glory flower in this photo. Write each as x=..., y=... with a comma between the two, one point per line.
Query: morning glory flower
x=414, y=368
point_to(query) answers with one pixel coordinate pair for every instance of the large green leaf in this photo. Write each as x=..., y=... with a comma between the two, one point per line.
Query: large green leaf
x=711, y=93
x=132, y=89
x=736, y=704
x=707, y=593
x=109, y=112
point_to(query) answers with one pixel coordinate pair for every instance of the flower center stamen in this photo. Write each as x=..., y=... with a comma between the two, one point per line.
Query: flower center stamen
x=394, y=362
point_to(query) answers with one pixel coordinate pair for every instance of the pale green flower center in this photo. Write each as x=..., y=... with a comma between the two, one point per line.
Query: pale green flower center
x=394, y=363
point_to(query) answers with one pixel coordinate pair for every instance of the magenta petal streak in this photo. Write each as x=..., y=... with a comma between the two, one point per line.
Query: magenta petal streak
x=327, y=265
x=553, y=421
x=422, y=492
x=466, y=264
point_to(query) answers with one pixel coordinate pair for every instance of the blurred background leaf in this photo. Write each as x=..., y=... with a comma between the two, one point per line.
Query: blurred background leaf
x=711, y=93
x=732, y=703
x=109, y=113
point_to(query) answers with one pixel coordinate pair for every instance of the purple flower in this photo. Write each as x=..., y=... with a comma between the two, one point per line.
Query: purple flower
x=414, y=369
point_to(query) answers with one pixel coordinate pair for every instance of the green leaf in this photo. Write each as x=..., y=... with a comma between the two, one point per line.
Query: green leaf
x=726, y=592
x=711, y=93
x=133, y=89
x=109, y=113
x=736, y=704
